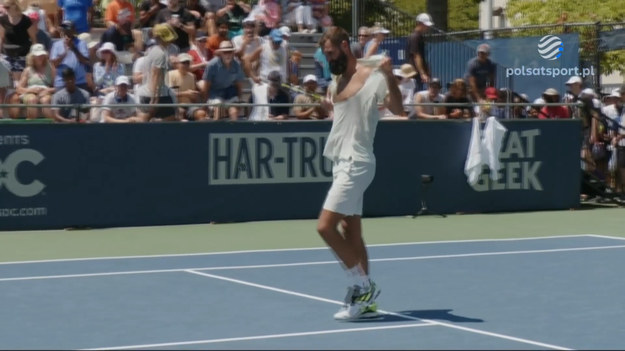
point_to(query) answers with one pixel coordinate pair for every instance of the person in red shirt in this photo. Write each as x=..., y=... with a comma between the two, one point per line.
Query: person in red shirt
x=550, y=112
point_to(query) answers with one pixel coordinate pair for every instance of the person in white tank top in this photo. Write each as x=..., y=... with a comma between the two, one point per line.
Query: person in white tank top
x=431, y=95
x=360, y=90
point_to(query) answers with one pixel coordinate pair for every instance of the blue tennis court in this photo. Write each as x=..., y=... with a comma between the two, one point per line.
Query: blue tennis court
x=561, y=292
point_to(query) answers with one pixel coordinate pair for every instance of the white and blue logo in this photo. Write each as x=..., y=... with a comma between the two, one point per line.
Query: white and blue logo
x=550, y=47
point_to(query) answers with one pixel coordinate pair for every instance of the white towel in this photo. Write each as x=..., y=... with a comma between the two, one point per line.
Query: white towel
x=491, y=145
x=475, y=161
x=260, y=113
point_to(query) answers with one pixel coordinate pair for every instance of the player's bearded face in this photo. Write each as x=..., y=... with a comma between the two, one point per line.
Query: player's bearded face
x=338, y=65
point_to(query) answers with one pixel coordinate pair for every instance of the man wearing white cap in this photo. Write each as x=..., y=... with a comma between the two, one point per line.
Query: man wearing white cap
x=309, y=96
x=415, y=50
x=249, y=41
x=373, y=46
x=113, y=110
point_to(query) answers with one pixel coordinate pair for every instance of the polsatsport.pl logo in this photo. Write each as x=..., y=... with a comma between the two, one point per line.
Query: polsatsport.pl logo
x=550, y=47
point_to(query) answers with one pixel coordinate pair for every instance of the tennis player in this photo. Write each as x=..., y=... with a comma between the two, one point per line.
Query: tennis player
x=357, y=90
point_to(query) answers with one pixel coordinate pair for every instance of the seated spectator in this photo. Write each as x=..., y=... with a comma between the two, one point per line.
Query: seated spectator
x=277, y=95
x=182, y=82
x=199, y=55
x=246, y=44
x=294, y=68
x=358, y=47
x=36, y=84
x=6, y=82
x=549, y=112
x=213, y=42
x=212, y=6
x=79, y=12
x=223, y=78
x=120, y=34
x=373, y=46
x=431, y=95
x=41, y=36
x=322, y=68
x=153, y=89
x=69, y=96
x=43, y=22
x=181, y=20
x=480, y=73
x=405, y=75
x=148, y=11
x=198, y=9
x=304, y=19
x=309, y=97
x=113, y=110
x=320, y=14
x=271, y=56
x=268, y=13
x=234, y=12
x=70, y=52
x=491, y=96
x=106, y=71
x=458, y=95
x=17, y=34
x=113, y=10
x=533, y=111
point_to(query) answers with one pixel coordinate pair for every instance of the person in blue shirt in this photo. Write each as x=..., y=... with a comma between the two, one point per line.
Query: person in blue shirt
x=223, y=77
x=70, y=52
x=77, y=11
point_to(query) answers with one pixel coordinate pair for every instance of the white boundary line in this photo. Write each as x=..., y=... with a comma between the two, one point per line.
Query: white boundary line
x=606, y=237
x=295, y=264
x=425, y=322
x=295, y=249
x=313, y=263
x=262, y=337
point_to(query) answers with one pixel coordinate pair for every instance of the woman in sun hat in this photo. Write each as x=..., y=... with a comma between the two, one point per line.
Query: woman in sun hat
x=36, y=84
x=107, y=69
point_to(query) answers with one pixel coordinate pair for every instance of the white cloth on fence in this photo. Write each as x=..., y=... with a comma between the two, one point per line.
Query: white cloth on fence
x=484, y=150
x=259, y=92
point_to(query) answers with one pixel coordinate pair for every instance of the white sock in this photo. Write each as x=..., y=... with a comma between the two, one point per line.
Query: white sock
x=358, y=276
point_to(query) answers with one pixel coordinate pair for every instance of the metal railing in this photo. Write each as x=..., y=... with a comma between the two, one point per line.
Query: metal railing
x=82, y=111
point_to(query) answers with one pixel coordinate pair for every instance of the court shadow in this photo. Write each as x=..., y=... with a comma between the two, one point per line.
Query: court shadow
x=436, y=315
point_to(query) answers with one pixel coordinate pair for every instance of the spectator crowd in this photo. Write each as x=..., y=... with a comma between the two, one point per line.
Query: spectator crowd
x=173, y=53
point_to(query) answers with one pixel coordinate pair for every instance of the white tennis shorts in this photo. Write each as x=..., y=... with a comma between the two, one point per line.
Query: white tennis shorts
x=350, y=179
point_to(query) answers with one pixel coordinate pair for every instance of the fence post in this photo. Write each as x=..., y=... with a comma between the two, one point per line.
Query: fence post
x=355, y=6
x=597, y=77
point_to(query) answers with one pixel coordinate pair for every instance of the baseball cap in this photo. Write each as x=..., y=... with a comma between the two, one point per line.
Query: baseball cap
x=310, y=78
x=425, y=19
x=589, y=91
x=286, y=31
x=67, y=25
x=484, y=48
x=122, y=80
x=201, y=35
x=574, y=79
x=38, y=50
x=276, y=36
x=378, y=30
x=551, y=92
x=491, y=93
x=184, y=57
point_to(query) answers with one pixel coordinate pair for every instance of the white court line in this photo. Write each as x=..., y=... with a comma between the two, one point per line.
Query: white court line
x=391, y=259
x=290, y=249
x=424, y=322
x=606, y=237
x=261, y=337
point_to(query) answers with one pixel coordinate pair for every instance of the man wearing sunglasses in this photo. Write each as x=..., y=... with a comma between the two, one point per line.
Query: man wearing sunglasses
x=358, y=47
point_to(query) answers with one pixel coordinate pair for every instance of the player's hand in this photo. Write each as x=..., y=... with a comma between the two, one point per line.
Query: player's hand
x=326, y=104
x=386, y=66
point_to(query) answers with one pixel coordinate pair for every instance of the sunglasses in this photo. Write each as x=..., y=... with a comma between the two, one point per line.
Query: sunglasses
x=363, y=35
